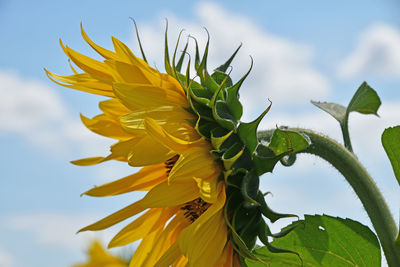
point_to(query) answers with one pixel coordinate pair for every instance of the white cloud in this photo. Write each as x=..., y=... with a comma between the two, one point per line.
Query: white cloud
x=6, y=259
x=56, y=229
x=377, y=53
x=282, y=69
x=31, y=109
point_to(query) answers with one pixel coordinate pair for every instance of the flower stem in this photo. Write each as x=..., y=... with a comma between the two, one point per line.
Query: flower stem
x=363, y=185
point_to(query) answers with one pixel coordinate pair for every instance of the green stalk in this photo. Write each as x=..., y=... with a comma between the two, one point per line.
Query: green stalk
x=363, y=185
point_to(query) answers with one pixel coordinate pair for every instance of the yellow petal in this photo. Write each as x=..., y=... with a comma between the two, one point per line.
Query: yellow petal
x=208, y=188
x=170, y=256
x=127, y=73
x=166, y=139
x=213, y=239
x=137, y=229
x=116, y=217
x=89, y=65
x=125, y=53
x=180, y=262
x=94, y=88
x=196, y=162
x=103, y=125
x=102, y=51
x=166, y=239
x=148, y=152
x=113, y=107
x=135, y=96
x=145, y=248
x=164, y=195
x=167, y=116
x=146, y=177
x=88, y=161
x=187, y=235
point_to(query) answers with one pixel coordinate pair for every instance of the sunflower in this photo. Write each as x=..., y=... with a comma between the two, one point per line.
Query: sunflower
x=99, y=257
x=200, y=163
x=147, y=114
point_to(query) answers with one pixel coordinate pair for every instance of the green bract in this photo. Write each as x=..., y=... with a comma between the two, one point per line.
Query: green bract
x=215, y=99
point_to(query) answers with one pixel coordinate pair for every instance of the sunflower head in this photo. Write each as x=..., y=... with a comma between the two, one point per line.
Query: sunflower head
x=201, y=163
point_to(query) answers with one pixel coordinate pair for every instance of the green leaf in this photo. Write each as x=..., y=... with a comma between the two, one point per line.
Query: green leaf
x=337, y=111
x=365, y=100
x=285, y=142
x=391, y=143
x=324, y=241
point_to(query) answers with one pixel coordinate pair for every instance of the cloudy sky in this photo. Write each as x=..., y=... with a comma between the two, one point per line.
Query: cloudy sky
x=301, y=52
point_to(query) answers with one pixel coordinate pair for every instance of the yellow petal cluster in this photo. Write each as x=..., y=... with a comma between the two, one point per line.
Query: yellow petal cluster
x=181, y=217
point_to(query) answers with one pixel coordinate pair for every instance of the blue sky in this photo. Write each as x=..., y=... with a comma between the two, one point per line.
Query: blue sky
x=302, y=51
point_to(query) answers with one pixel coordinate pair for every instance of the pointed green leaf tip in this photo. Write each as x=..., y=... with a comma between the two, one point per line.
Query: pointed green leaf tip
x=365, y=100
x=324, y=241
x=391, y=144
x=138, y=38
x=335, y=110
x=167, y=63
x=247, y=131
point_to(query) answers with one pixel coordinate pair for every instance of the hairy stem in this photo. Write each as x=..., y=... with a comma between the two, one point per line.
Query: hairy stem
x=363, y=185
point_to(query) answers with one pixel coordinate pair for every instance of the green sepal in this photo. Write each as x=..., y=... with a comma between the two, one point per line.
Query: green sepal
x=265, y=231
x=263, y=236
x=232, y=97
x=200, y=94
x=268, y=212
x=202, y=111
x=249, y=231
x=238, y=244
x=167, y=64
x=234, y=201
x=202, y=67
x=204, y=127
x=241, y=218
x=178, y=66
x=235, y=178
x=247, y=131
x=221, y=112
x=222, y=78
x=197, y=54
x=265, y=159
x=249, y=188
x=285, y=142
x=225, y=66
x=174, y=55
x=245, y=162
x=231, y=155
x=208, y=82
x=223, y=116
x=218, y=137
x=138, y=38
